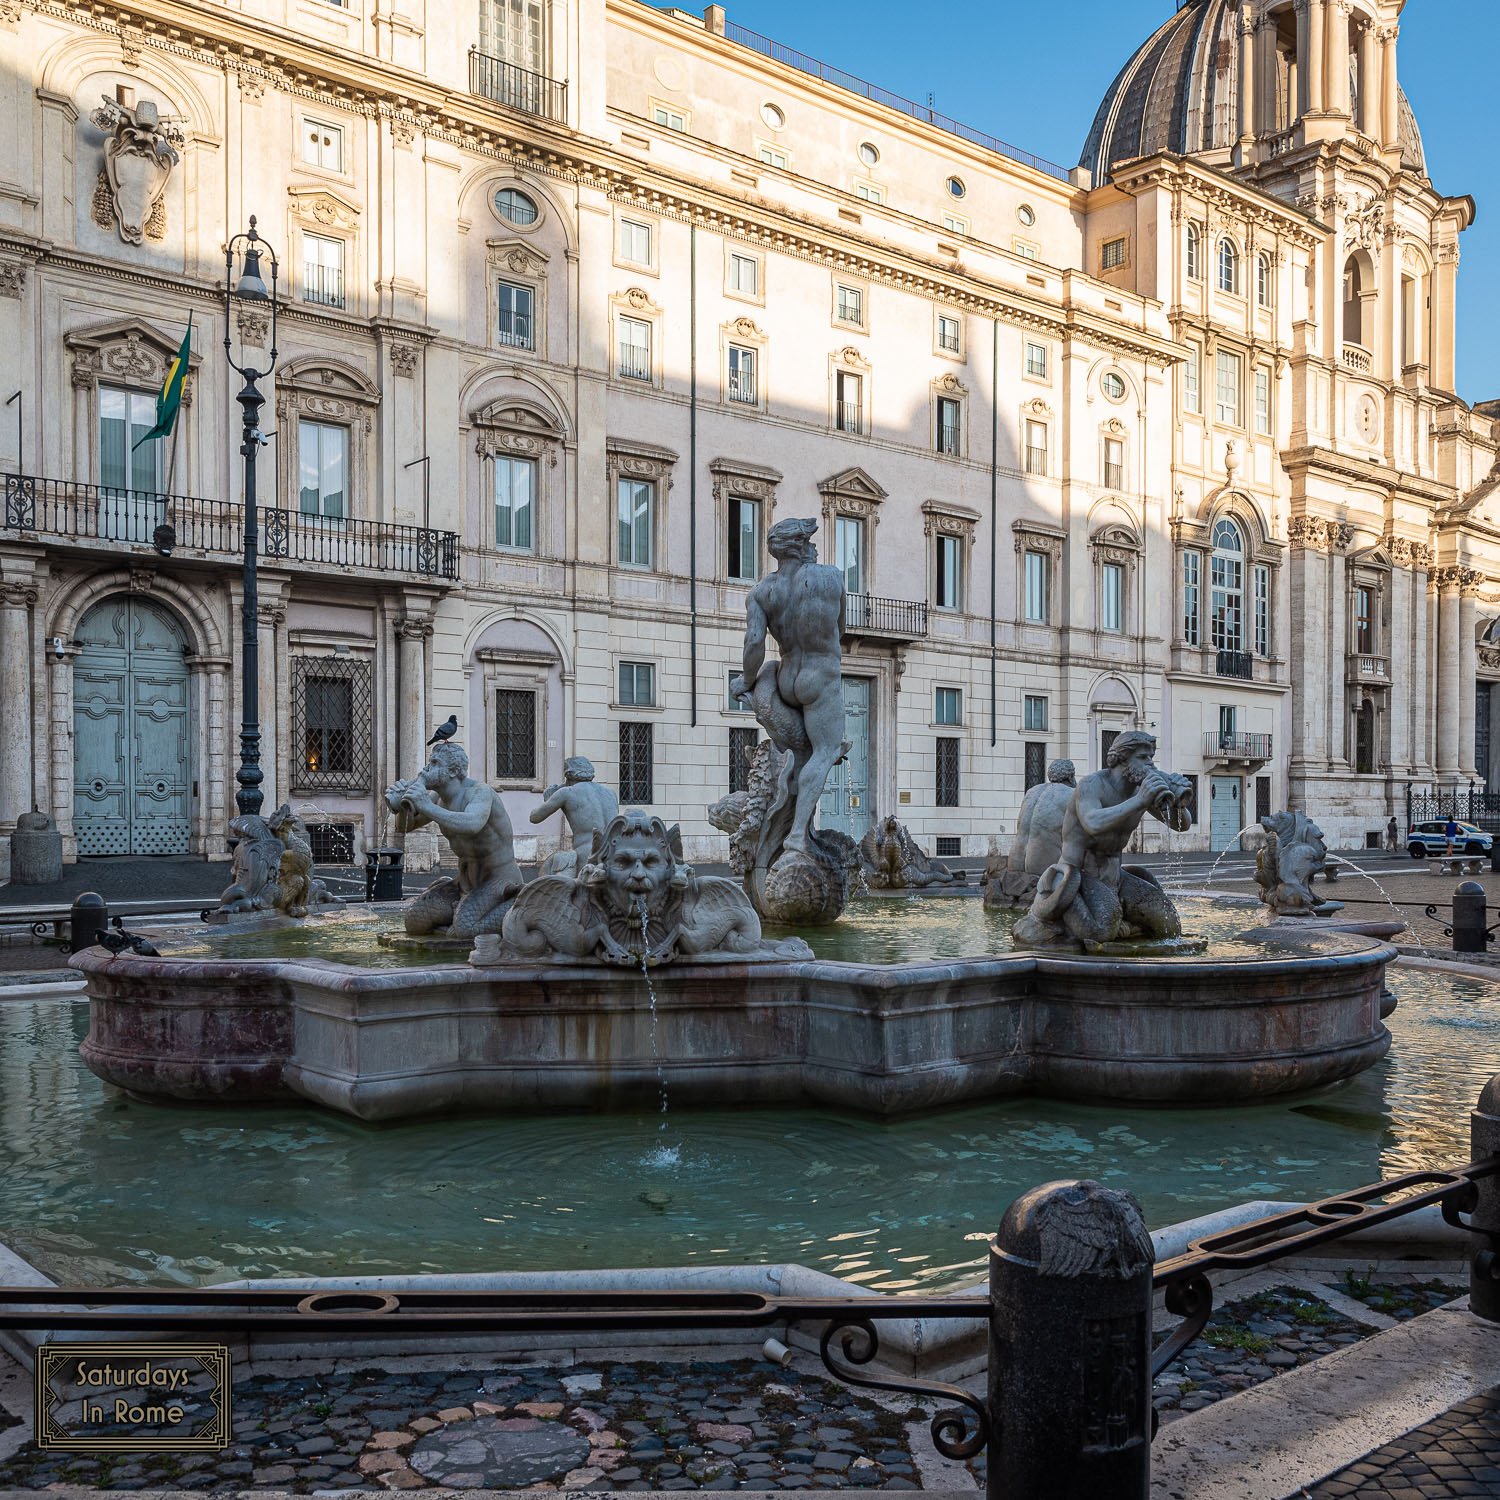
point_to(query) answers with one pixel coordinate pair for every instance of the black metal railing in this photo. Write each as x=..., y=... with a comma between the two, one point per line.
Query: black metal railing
x=1236, y=746
x=1036, y=460
x=849, y=416
x=1471, y=805
x=92, y=512
x=1239, y=664
x=635, y=362
x=323, y=284
x=948, y=438
x=742, y=385
x=515, y=330
x=517, y=88
x=868, y=613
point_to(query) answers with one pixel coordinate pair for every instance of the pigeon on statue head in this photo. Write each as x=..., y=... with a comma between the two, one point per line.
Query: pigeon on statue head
x=445, y=731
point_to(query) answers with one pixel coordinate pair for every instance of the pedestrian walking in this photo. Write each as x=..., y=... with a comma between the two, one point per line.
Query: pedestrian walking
x=1450, y=832
x=1392, y=835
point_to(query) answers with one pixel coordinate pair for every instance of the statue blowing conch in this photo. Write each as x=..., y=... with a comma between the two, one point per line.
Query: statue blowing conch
x=1087, y=896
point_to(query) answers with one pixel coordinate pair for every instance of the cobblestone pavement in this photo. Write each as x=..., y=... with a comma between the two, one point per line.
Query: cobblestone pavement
x=1456, y=1454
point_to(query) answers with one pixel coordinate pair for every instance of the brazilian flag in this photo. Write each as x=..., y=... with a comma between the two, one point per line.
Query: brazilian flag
x=169, y=398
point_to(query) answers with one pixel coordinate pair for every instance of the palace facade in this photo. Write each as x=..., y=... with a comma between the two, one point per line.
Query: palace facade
x=575, y=300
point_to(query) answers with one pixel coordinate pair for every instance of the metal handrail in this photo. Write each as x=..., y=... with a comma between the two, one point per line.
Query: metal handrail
x=888, y=616
x=1237, y=745
x=516, y=87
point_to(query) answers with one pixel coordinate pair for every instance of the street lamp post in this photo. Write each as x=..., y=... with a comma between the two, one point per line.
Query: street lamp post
x=251, y=287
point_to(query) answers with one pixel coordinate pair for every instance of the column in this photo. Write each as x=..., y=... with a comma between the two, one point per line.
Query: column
x=60, y=734
x=1316, y=73
x=1468, y=670
x=1336, y=58
x=217, y=752
x=1443, y=316
x=1390, y=95
x=1402, y=629
x=1301, y=99
x=1446, y=580
x=1308, y=654
x=412, y=633
x=16, y=600
x=269, y=617
x=1340, y=738
x=1268, y=78
x=1369, y=82
x=1248, y=125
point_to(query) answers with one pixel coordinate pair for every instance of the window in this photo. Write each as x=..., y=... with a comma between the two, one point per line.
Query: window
x=1034, y=762
x=1229, y=267
x=869, y=153
x=954, y=224
x=515, y=206
x=1113, y=385
x=1227, y=387
x=516, y=324
x=322, y=270
x=1227, y=722
x=949, y=418
x=512, y=31
x=1262, y=610
x=125, y=417
x=849, y=402
x=1263, y=402
x=323, y=463
x=1026, y=214
x=1194, y=253
x=1034, y=713
x=332, y=720
x=637, y=684
x=515, y=499
x=744, y=539
x=635, y=501
x=328, y=729
x=1036, y=360
x=323, y=145
x=635, y=349
x=849, y=552
x=744, y=275
x=515, y=734
x=673, y=119
x=635, y=242
x=773, y=156
x=849, y=305
x=947, y=333
x=1114, y=463
x=773, y=115
x=947, y=590
x=732, y=705
x=868, y=192
x=742, y=743
x=955, y=186
x=1364, y=620
x=1112, y=598
x=1112, y=254
x=1038, y=602
x=635, y=765
x=1192, y=390
x=947, y=770
x=1192, y=572
x=1263, y=280
x=1227, y=588
x=1036, y=447
x=741, y=375
x=948, y=706
x=1025, y=249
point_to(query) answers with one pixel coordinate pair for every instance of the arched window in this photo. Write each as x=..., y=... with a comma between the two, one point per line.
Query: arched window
x=1263, y=280
x=1227, y=588
x=1229, y=267
x=1194, y=253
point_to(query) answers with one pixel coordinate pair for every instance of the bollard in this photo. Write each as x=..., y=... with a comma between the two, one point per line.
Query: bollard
x=1070, y=1347
x=1468, y=918
x=88, y=918
x=1484, y=1268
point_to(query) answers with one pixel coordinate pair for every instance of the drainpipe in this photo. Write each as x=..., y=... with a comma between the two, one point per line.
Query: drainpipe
x=693, y=472
x=994, y=519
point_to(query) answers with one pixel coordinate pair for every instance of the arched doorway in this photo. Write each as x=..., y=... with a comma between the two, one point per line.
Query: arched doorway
x=132, y=733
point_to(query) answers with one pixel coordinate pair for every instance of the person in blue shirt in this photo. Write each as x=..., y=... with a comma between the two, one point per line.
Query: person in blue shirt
x=1450, y=832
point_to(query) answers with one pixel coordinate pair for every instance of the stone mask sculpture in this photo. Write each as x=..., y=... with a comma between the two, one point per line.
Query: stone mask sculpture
x=634, y=902
x=1286, y=862
x=140, y=152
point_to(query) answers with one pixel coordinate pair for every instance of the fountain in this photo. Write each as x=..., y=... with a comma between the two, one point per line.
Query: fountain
x=1292, y=853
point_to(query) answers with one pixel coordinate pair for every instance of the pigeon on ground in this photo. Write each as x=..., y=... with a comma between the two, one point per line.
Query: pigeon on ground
x=119, y=940
x=445, y=731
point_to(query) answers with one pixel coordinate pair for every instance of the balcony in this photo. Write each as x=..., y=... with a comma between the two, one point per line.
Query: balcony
x=635, y=362
x=515, y=331
x=1358, y=359
x=1362, y=668
x=1222, y=749
x=947, y=438
x=1234, y=664
x=742, y=386
x=516, y=88
x=86, y=515
x=322, y=284
x=849, y=416
x=893, y=619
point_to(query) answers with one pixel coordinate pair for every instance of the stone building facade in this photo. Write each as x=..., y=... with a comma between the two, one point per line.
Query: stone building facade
x=575, y=300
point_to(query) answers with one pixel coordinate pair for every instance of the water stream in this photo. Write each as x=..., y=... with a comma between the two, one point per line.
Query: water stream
x=661, y=1155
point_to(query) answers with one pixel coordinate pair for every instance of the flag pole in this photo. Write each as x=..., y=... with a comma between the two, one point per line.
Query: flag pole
x=172, y=461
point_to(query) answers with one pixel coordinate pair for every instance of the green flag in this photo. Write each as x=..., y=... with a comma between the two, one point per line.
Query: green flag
x=169, y=398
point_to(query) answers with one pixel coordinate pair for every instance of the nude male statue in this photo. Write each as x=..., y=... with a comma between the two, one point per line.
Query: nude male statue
x=587, y=807
x=798, y=700
x=474, y=821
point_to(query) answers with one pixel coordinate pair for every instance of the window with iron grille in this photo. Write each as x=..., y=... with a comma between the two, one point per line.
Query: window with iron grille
x=1036, y=361
x=947, y=846
x=1035, y=760
x=947, y=770
x=331, y=843
x=1113, y=254
x=949, y=418
x=332, y=724
x=742, y=743
x=1192, y=799
x=635, y=765
x=515, y=734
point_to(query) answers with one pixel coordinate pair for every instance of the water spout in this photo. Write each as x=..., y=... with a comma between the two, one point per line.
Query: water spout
x=662, y=1155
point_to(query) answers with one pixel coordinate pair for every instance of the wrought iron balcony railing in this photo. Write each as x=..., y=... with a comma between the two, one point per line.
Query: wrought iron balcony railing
x=635, y=362
x=1234, y=664
x=323, y=284
x=515, y=330
x=1236, y=746
x=849, y=416
x=517, y=88
x=100, y=513
x=865, y=614
x=948, y=438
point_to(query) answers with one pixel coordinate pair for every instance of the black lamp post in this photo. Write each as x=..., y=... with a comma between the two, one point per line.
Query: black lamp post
x=250, y=287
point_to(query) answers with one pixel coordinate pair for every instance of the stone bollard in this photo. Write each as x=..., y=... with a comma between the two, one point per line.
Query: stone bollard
x=1070, y=1347
x=35, y=851
x=88, y=918
x=1484, y=1269
x=1468, y=918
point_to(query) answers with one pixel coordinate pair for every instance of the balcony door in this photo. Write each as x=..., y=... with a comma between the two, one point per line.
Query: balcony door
x=130, y=501
x=845, y=803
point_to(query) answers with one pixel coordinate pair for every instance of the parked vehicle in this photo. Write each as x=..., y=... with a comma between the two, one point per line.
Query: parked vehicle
x=1427, y=840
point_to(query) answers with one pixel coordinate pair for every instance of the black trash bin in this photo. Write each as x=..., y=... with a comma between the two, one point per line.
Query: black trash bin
x=383, y=874
x=87, y=919
x=1495, y=855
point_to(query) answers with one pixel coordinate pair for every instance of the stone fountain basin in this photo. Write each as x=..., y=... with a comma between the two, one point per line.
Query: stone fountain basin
x=382, y=1044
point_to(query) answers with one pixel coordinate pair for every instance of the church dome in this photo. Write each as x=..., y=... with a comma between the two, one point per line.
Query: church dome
x=1180, y=93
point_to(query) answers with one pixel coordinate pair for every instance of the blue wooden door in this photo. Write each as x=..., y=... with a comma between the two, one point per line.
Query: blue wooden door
x=1225, y=811
x=845, y=803
x=132, y=740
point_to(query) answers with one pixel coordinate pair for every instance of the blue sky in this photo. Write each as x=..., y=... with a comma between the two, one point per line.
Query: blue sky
x=1033, y=75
